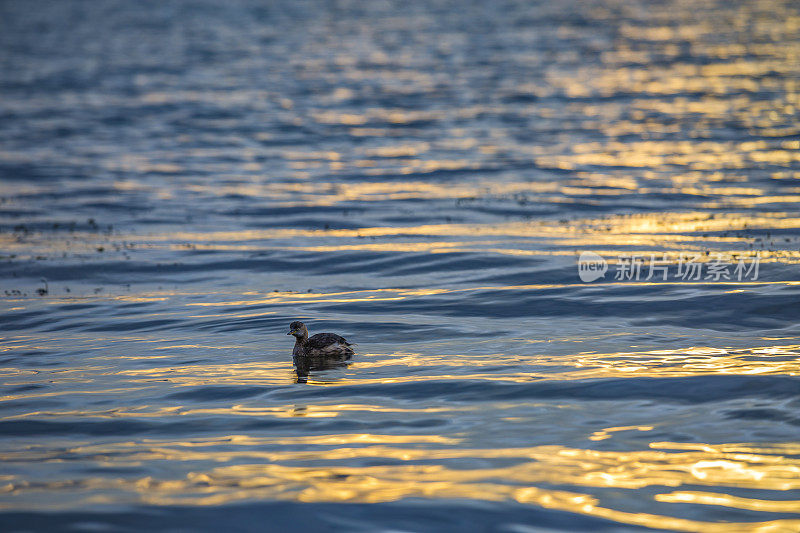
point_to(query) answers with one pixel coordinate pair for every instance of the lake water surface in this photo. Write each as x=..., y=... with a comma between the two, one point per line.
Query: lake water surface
x=181, y=180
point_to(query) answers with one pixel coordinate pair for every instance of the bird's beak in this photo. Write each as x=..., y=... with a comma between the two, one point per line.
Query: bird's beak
x=290, y=333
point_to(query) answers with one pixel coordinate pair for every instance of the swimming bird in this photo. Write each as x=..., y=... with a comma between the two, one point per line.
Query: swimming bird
x=320, y=345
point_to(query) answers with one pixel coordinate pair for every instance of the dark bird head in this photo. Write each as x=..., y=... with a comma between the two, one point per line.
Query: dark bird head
x=298, y=329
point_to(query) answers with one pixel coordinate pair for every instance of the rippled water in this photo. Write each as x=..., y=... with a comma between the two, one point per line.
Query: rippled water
x=179, y=181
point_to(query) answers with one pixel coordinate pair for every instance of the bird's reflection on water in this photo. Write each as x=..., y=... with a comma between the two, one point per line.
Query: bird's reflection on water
x=303, y=366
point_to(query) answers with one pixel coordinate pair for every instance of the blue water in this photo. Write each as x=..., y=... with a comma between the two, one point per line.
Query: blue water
x=181, y=180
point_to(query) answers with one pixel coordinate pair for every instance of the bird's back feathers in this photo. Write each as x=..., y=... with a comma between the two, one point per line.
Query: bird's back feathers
x=321, y=340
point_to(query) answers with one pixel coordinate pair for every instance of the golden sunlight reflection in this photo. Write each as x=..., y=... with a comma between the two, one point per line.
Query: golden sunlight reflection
x=726, y=500
x=779, y=359
x=260, y=473
x=421, y=178
x=733, y=233
x=656, y=363
x=604, y=434
x=621, y=225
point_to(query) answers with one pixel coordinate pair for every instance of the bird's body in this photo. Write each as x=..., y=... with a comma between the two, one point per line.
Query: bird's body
x=319, y=345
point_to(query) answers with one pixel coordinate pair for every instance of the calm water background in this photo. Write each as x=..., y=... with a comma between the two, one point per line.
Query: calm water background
x=179, y=181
